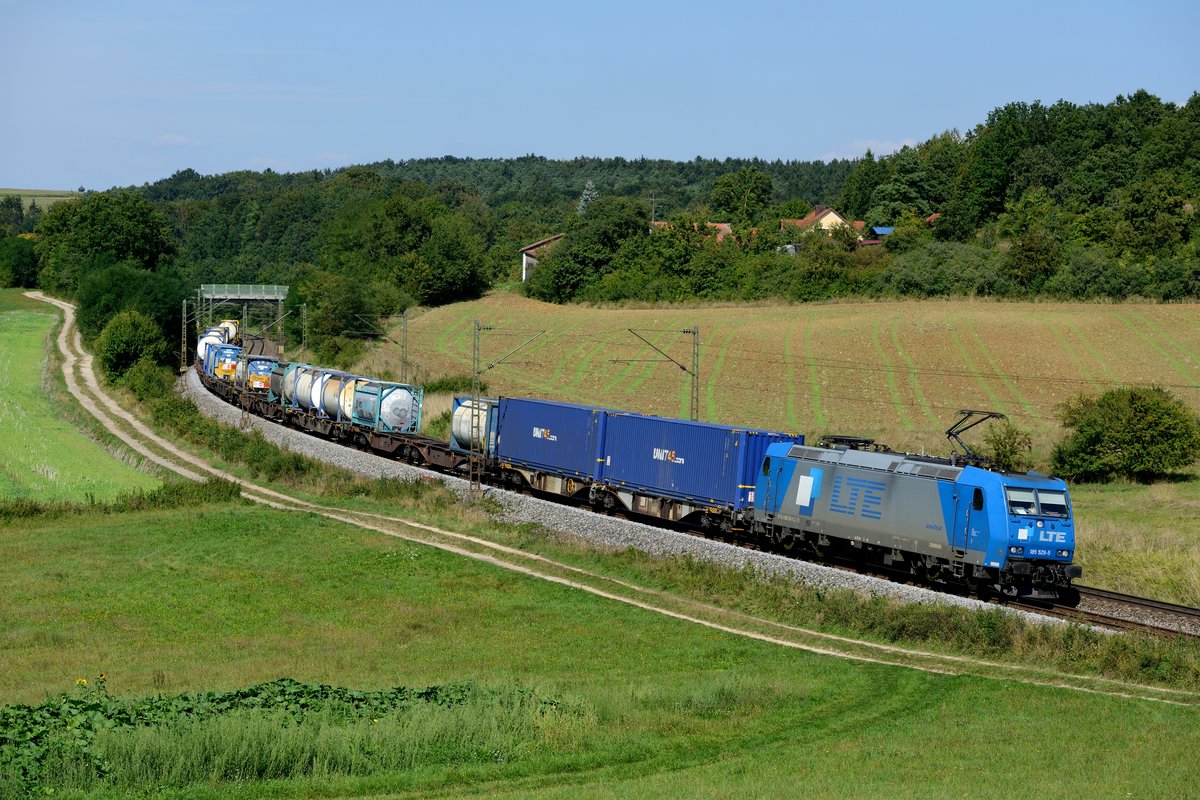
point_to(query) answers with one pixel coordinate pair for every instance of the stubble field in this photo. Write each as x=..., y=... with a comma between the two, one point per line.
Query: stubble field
x=897, y=371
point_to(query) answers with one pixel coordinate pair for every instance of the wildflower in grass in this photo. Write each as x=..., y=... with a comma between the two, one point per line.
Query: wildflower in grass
x=81, y=682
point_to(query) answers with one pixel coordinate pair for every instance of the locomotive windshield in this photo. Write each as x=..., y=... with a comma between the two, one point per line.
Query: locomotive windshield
x=1042, y=502
x=1053, y=504
x=1021, y=501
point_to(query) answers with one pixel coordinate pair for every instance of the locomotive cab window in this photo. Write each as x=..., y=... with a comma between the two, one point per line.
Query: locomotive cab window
x=1021, y=501
x=1052, y=503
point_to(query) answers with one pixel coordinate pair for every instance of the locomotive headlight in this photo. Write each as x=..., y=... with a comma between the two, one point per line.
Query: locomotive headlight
x=1064, y=553
x=1013, y=550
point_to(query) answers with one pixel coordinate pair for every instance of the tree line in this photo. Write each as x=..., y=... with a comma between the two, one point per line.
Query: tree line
x=1066, y=201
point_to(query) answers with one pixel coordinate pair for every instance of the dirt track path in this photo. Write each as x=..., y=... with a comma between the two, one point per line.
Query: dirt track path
x=78, y=370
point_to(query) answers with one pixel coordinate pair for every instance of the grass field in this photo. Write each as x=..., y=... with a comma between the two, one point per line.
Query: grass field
x=896, y=371
x=44, y=197
x=41, y=455
x=226, y=595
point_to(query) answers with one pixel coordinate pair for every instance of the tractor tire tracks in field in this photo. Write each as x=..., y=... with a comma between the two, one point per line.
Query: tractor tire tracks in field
x=82, y=383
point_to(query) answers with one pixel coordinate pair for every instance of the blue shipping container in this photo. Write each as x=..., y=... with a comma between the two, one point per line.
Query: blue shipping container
x=705, y=464
x=558, y=438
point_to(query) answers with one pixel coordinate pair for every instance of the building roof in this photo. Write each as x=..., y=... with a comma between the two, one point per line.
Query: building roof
x=932, y=217
x=723, y=229
x=819, y=213
x=880, y=230
x=530, y=248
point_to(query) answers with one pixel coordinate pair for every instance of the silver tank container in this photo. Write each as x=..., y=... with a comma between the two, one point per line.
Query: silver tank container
x=470, y=437
x=397, y=409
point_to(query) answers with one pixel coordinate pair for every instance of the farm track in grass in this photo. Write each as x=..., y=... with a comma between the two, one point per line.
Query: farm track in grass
x=42, y=455
x=911, y=371
x=892, y=370
x=84, y=386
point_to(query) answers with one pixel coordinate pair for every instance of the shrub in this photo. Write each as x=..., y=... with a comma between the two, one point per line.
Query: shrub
x=128, y=337
x=452, y=384
x=146, y=380
x=1132, y=432
x=1009, y=447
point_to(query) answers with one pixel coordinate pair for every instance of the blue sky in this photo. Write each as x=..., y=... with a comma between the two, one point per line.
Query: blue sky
x=126, y=92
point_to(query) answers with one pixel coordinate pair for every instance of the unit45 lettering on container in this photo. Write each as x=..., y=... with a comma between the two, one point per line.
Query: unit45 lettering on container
x=670, y=456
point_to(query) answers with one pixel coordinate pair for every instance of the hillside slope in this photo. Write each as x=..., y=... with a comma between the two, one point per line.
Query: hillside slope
x=898, y=371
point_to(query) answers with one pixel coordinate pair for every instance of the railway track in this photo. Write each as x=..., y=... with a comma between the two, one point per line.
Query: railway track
x=259, y=346
x=1148, y=613
x=1096, y=607
x=1123, y=612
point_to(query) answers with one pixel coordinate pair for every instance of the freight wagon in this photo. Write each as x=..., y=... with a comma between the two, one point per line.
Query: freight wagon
x=681, y=470
x=696, y=473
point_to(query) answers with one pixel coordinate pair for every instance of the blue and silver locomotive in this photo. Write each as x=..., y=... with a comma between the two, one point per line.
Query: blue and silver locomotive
x=938, y=519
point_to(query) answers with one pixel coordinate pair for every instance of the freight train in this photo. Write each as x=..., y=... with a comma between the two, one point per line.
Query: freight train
x=947, y=521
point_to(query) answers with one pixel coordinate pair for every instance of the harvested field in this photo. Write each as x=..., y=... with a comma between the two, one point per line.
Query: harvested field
x=897, y=371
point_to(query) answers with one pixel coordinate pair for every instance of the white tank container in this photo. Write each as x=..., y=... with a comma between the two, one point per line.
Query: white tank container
x=289, y=385
x=318, y=389
x=332, y=390
x=304, y=383
x=206, y=340
x=469, y=437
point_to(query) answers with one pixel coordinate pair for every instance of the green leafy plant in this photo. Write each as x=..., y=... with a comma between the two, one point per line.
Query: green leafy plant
x=1009, y=447
x=1139, y=433
x=127, y=338
x=70, y=736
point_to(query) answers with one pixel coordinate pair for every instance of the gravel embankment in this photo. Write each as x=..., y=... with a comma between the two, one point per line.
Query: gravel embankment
x=598, y=529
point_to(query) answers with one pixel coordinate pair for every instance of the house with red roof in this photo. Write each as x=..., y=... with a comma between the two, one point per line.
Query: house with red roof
x=822, y=217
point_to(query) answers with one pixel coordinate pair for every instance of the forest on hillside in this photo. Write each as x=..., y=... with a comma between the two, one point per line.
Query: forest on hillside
x=1064, y=201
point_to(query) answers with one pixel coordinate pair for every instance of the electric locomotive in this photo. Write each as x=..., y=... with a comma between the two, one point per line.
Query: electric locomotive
x=943, y=520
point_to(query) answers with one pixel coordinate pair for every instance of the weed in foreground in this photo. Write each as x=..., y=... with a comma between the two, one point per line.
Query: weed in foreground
x=278, y=730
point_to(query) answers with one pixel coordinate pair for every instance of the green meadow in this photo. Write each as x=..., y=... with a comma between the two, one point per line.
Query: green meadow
x=628, y=703
x=42, y=456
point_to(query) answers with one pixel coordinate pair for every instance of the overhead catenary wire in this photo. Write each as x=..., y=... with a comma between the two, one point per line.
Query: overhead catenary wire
x=780, y=359
x=613, y=340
